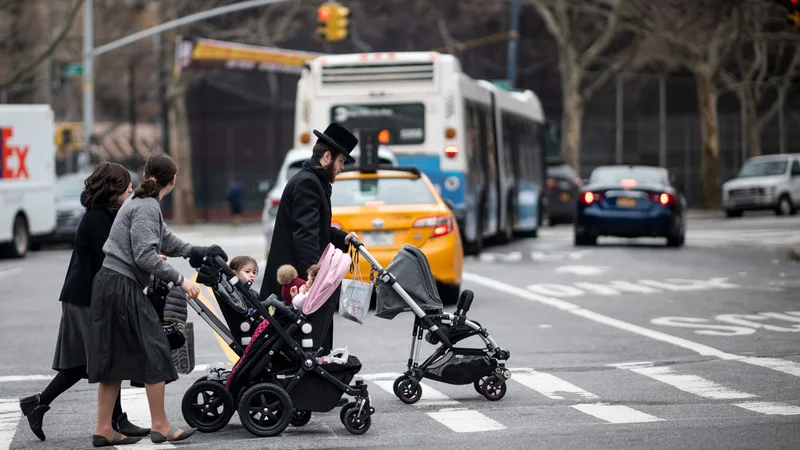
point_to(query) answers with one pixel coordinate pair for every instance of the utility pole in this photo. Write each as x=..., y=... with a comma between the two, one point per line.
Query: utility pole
x=89, y=52
x=512, y=45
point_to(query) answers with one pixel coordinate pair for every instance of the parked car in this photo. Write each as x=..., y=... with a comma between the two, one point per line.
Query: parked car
x=69, y=211
x=764, y=183
x=630, y=201
x=563, y=184
x=292, y=163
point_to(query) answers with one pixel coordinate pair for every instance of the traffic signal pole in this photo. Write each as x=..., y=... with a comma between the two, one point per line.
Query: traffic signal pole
x=89, y=52
x=512, y=45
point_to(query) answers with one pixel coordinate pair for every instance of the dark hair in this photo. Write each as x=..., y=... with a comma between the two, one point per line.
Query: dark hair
x=104, y=186
x=240, y=261
x=321, y=147
x=313, y=270
x=159, y=170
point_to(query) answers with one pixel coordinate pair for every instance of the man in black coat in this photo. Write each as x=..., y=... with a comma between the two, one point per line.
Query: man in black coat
x=303, y=224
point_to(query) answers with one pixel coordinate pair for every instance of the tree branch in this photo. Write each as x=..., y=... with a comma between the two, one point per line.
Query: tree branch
x=554, y=26
x=609, y=72
x=783, y=89
x=26, y=70
x=605, y=38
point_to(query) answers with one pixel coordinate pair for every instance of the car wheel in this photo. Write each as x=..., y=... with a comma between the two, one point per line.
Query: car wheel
x=20, y=239
x=582, y=240
x=784, y=207
x=676, y=240
x=733, y=213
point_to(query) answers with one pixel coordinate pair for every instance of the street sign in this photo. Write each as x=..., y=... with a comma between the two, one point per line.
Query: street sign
x=73, y=69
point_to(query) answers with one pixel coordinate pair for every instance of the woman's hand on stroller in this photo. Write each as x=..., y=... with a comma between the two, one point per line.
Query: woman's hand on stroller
x=208, y=275
x=190, y=287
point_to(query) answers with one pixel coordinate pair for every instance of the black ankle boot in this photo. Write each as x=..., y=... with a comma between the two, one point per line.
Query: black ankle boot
x=34, y=411
x=124, y=426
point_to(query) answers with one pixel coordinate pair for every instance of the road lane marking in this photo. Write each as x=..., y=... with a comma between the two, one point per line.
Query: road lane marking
x=692, y=384
x=550, y=385
x=615, y=413
x=229, y=353
x=134, y=404
x=785, y=366
x=771, y=408
x=9, y=272
x=462, y=420
x=10, y=415
x=18, y=378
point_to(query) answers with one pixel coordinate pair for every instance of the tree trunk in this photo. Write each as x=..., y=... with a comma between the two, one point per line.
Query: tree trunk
x=709, y=167
x=754, y=129
x=572, y=118
x=183, y=211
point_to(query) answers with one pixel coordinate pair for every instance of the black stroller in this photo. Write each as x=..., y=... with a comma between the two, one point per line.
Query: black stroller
x=277, y=381
x=483, y=367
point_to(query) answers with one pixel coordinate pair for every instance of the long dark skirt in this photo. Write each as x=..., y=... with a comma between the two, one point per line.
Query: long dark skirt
x=127, y=341
x=73, y=333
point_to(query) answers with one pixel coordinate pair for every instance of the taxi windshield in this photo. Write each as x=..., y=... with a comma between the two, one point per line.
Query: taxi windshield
x=381, y=191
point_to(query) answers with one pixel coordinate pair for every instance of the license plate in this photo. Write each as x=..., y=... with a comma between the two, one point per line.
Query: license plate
x=378, y=239
x=565, y=196
x=626, y=202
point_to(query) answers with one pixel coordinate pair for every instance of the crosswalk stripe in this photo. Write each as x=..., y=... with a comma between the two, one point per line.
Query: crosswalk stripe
x=134, y=403
x=615, y=413
x=771, y=408
x=463, y=420
x=10, y=415
x=549, y=385
x=692, y=384
x=460, y=420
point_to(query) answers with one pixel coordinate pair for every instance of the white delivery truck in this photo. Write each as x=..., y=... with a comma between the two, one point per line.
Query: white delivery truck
x=27, y=176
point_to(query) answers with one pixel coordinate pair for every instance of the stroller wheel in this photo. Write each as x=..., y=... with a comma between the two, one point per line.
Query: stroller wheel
x=493, y=388
x=207, y=406
x=478, y=385
x=396, y=384
x=265, y=409
x=300, y=418
x=354, y=423
x=408, y=392
x=343, y=412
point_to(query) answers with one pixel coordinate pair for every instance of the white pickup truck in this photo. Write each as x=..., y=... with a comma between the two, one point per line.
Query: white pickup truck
x=27, y=176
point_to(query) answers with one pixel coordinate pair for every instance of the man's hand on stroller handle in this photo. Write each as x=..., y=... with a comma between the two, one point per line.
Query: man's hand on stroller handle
x=352, y=238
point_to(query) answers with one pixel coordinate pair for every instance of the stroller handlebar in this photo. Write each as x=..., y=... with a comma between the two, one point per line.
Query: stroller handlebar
x=363, y=252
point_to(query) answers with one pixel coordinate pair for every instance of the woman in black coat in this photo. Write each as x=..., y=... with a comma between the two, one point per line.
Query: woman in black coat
x=105, y=190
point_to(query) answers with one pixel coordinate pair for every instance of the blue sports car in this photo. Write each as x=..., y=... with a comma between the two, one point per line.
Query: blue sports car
x=629, y=201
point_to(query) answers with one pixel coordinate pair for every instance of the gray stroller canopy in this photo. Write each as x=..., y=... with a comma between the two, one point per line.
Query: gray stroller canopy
x=413, y=273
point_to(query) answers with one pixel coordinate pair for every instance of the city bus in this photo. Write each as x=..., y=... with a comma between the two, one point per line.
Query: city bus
x=479, y=144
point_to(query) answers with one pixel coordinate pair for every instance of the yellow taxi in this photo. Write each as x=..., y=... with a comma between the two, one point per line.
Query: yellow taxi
x=397, y=206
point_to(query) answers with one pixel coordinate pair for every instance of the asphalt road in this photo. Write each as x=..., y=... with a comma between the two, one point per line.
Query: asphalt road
x=623, y=345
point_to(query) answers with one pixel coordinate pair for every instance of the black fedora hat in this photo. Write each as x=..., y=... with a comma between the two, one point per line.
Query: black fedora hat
x=340, y=139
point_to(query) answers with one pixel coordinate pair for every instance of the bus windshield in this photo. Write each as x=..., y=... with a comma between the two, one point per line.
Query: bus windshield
x=404, y=123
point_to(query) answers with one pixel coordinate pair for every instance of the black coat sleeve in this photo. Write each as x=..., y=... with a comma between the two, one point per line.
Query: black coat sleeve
x=305, y=231
x=337, y=239
x=99, y=227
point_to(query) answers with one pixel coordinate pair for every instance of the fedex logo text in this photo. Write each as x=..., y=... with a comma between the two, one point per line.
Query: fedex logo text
x=13, y=158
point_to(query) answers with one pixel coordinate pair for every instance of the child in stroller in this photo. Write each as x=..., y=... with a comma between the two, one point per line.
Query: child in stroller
x=278, y=379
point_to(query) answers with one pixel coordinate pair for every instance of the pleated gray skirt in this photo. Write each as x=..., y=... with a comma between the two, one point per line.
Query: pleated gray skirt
x=126, y=339
x=73, y=336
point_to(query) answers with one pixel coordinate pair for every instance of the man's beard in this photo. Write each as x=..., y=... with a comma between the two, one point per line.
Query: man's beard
x=331, y=172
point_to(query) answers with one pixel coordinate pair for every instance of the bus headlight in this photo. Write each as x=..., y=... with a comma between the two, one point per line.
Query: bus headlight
x=451, y=183
x=451, y=151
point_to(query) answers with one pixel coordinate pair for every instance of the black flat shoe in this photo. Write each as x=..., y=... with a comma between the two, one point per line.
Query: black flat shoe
x=158, y=438
x=34, y=411
x=101, y=441
x=124, y=426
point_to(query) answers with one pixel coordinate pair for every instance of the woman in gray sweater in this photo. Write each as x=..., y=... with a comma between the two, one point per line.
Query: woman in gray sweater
x=127, y=341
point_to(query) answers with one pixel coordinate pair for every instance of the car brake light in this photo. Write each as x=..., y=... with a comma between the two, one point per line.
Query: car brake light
x=551, y=183
x=664, y=198
x=441, y=225
x=275, y=202
x=587, y=198
x=336, y=225
x=628, y=183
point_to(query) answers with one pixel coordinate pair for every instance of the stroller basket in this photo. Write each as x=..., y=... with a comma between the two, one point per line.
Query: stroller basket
x=313, y=392
x=411, y=269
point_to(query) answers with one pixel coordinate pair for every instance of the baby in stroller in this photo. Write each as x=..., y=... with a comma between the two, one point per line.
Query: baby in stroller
x=295, y=289
x=277, y=380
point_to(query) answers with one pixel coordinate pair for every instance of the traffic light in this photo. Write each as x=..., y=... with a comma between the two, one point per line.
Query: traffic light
x=333, y=22
x=64, y=136
x=793, y=6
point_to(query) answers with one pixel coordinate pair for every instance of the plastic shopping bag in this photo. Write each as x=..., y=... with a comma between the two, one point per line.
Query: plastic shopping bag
x=354, y=300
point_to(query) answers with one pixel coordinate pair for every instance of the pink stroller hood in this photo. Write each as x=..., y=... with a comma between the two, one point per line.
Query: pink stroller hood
x=333, y=265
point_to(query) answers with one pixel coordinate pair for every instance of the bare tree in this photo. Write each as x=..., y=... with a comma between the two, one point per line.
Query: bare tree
x=700, y=35
x=268, y=26
x=581, y=50
x=762, y=65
